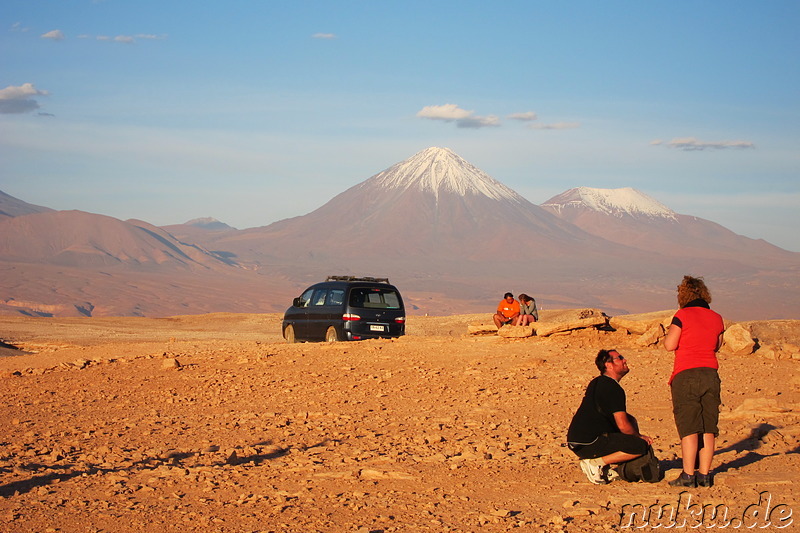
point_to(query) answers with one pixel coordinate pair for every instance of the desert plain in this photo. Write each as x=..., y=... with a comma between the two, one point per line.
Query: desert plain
x=214, y=423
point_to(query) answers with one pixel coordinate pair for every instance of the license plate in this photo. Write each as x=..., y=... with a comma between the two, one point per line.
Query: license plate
x=377, y=328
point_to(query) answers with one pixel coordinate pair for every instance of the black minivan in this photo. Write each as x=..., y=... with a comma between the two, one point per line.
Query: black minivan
x=346, y=308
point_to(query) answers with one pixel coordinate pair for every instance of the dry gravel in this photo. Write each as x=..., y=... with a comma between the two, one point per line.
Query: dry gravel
x=213, y=423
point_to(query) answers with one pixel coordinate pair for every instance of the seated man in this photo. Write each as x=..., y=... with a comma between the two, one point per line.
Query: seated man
x=602, y=433
x=507, y=311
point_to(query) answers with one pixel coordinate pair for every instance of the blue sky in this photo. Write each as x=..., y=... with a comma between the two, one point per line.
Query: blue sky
x=250, y=112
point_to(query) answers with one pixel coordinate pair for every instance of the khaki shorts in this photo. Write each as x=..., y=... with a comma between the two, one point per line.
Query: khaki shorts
x=696, y=401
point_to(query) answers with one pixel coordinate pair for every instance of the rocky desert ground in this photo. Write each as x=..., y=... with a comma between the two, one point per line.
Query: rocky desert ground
x=214, y=423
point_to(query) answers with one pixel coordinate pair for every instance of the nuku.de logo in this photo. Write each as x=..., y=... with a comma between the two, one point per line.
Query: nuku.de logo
x=685, y=514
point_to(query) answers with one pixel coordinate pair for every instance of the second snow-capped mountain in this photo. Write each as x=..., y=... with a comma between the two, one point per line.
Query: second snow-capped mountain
x=630, y=217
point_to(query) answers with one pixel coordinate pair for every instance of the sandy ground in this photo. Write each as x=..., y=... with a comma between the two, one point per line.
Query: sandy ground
x=214, y=423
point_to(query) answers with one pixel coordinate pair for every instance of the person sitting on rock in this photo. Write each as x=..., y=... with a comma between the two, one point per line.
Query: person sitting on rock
x=527, y=310
x=507, y=311
x=602, y=433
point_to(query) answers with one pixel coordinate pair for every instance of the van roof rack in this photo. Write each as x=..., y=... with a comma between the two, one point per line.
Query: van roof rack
x=356, y=278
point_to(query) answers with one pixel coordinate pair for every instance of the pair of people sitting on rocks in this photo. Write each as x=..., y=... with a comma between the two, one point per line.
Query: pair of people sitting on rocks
x=516, y=312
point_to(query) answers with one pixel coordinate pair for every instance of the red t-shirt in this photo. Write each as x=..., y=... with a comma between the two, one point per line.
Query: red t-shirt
x=697, y=346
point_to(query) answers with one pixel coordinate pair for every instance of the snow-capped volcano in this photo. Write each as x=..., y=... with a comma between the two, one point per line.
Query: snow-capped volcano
x=436, y=170
x=615, y=202
x=434, y=205
x=630, y=217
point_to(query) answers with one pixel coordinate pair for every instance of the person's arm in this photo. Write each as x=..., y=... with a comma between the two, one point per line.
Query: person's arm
x=673, y=338
x=627, y=426
x=719, y=341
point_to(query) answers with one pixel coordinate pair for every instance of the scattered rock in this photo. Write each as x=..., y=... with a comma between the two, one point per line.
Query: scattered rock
x=170, y=363
x=756, y=408
x=737, y=340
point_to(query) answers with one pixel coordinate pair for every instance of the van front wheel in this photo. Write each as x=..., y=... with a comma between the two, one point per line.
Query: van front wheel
x=331, y=335
x=288, y=334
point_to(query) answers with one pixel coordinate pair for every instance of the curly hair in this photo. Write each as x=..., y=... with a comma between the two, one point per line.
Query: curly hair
x=691, y=289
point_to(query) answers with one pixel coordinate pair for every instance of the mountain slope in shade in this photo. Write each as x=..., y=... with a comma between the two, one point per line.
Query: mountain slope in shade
x=629, y=216
x=79, y=239
x=71, y=263
x=14, y=207
x=200, y=231
x=208, y=223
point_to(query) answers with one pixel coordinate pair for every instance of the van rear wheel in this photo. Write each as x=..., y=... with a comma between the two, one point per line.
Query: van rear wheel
x=288, y=334
x=331, y=335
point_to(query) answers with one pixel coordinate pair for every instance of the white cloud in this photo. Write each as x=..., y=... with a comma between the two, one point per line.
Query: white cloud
x=126, y=39
x=324, y=36
x=462, y=117
x=527, y=116
x=55, y=35
x=689, y=144
x=150, y=36
x=556, y=126
x=447, y=112
x=17, y=99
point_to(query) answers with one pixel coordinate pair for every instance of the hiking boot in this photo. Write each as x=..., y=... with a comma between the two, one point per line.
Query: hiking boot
x=705, y=480
x=684, y=480
x=595, y=474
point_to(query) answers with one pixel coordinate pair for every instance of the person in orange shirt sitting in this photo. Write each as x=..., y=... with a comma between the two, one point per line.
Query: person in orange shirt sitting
x=507, y=311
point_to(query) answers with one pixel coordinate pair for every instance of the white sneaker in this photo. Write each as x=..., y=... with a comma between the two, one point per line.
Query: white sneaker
x=594, y=473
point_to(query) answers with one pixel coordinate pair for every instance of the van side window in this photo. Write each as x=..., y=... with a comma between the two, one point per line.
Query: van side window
x=305, y=298
x=319, y=297
x=335, y=297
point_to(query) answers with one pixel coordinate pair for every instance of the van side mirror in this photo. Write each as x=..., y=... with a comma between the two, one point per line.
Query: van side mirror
x=298, y=302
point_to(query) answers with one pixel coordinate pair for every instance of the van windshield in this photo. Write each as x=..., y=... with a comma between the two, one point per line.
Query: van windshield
x=374, y=298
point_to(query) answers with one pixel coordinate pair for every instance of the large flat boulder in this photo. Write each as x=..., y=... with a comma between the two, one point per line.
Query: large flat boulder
x=641, y=323
x=515, y=332
x=568, y=320
x=551, y=321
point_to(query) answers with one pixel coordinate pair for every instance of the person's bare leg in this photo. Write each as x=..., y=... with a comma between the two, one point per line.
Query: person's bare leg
x=706, y=454
x=689, y=451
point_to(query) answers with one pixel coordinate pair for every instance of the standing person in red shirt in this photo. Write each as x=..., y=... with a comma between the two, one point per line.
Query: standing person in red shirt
x=695, y=335
x=507, y=311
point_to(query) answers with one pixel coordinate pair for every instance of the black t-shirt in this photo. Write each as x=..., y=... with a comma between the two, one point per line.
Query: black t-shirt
x=604, y=397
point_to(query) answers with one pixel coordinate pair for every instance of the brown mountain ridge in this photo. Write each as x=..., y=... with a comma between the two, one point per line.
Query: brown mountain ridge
x=450, y=236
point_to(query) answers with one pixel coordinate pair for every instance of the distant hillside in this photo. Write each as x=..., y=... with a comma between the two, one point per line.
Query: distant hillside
x=14, y=207
x=451, y=237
